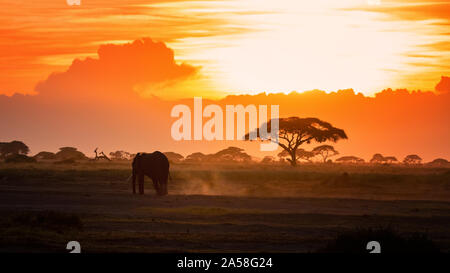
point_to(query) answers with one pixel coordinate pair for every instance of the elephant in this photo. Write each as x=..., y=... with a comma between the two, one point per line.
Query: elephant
x=154, y=165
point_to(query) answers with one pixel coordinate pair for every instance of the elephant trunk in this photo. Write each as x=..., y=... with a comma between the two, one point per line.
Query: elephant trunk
x=129, y=178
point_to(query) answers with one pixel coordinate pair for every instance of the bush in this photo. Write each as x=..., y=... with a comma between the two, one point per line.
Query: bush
x=45, y=156
x=17, y=158
x=66, y=161
x=355, y=241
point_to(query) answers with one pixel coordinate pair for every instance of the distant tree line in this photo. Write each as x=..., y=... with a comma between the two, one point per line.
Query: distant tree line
x=228, y=155
x=17, y=151
x=412, y=159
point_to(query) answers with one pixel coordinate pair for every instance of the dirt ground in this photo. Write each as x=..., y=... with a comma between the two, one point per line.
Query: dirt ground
x=230, y=209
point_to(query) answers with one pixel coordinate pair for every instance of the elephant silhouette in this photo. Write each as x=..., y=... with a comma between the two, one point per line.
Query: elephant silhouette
x=153, y=165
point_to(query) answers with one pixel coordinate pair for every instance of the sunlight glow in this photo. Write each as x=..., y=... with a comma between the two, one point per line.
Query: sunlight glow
x=298, y=45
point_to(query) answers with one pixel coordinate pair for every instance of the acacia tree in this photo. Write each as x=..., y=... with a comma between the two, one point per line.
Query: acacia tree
x=325, y=151
x=350, y=159
x=13, y=148
x=268, y=160
x=390, y=159
x=295, y=131
x=304, y=154
x=377, y=158
x=195, y=157
x=301, y=154
x=412, y=159
x=230, y=154
x=282, y=155
x=120, y=155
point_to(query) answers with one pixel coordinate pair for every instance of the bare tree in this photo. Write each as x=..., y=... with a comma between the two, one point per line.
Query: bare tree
x=100, y=155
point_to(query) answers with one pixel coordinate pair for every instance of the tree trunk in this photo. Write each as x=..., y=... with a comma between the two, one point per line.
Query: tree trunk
x=293, y=159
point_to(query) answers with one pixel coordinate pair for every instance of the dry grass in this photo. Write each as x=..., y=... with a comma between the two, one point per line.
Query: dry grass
x=216, y=208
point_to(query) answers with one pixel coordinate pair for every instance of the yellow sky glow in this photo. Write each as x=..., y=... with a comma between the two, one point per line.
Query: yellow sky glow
x=243, y=46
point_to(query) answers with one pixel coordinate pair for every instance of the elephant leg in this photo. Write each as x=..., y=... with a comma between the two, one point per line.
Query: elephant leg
x=134, y=183
x=141, y=183
x=156, y=185
x=164, y=187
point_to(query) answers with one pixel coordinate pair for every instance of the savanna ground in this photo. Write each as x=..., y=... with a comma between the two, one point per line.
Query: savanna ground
x=211, y=208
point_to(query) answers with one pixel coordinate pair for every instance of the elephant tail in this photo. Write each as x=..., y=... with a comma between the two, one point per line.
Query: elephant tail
x=170, y=177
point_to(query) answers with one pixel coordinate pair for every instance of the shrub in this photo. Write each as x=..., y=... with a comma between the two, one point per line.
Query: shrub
x=18, y=158
x=48, y=220
x=45, y=156
x=66, y=161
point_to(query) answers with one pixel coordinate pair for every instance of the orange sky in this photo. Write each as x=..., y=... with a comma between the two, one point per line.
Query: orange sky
x=90, y=72
x=242, y=46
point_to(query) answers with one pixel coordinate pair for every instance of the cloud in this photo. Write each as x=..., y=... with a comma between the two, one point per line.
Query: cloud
x=40, y=37
x=419, y=10
x=117, y=70
x=444, y=85
x=423, y=11
x=439, y=46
